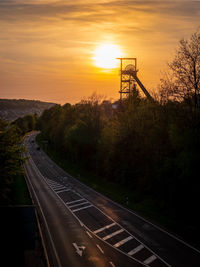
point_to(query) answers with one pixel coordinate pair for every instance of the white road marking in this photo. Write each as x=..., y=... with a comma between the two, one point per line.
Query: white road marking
x=64, y=190
x=111, y=263
x=135, y=250
x=103, y=228
x=52, y=182
x=82, y=208
x=123, y=241
x=88, y=233
x=100, y=248
x=113, y=234
x=71, y=202
x=79, y=249
x=55, y=185
x=79, y=204
x=81, y=224
x=150, y=259
x=59, y=187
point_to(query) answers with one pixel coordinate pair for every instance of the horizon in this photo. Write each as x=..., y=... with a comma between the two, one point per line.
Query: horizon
x=52, y=50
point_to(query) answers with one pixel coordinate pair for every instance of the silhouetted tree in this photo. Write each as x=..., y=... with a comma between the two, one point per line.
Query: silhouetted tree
x=183, y=79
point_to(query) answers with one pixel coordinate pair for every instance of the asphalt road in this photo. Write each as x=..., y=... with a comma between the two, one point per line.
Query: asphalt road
x=84, y=228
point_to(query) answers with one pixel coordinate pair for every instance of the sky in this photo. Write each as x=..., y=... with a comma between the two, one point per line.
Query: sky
x=47, y=47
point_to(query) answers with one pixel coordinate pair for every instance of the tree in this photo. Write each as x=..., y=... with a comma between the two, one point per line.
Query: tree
x=10, y=160
x=183, y=79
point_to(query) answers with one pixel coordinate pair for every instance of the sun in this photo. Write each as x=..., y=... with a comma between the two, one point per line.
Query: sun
x=105, y=56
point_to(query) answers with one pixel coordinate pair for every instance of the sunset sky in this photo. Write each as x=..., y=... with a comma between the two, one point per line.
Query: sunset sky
x=49, y=49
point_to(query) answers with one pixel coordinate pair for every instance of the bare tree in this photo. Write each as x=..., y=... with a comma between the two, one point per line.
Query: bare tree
x=183, y=79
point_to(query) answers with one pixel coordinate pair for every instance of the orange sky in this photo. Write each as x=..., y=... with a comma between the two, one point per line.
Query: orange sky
x=47, y=46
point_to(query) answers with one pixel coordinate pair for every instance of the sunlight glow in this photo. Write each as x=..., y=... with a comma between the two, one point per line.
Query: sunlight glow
x=105, y=56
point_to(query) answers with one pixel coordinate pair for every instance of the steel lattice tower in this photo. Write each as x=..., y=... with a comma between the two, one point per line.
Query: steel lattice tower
x=129, y=79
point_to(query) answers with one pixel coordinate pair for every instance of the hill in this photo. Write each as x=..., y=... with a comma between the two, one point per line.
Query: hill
x=11, y=109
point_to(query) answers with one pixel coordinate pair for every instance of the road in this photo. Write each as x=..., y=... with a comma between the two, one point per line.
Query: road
x=84, y=228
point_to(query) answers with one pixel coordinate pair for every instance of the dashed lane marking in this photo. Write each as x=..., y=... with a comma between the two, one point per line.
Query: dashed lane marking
x=88, y=233
x=111, y=263
x=100, y=248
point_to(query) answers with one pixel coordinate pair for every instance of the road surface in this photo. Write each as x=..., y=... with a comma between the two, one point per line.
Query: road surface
x=84, y=228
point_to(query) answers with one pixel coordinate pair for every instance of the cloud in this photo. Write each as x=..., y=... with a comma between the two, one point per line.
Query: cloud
x=58, y=37
x=92, y=11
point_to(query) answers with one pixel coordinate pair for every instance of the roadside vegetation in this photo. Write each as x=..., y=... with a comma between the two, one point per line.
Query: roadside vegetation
x=13, y=189
x=19, y=229
x=146, y=150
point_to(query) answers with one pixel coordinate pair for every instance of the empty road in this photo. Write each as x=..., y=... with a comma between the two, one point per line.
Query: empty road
x=84, y=228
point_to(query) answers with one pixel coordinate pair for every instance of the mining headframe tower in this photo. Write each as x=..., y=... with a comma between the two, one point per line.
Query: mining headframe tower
x=129, y=78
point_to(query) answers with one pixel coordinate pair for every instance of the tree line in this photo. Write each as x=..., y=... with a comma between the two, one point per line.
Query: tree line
x=150, y=147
